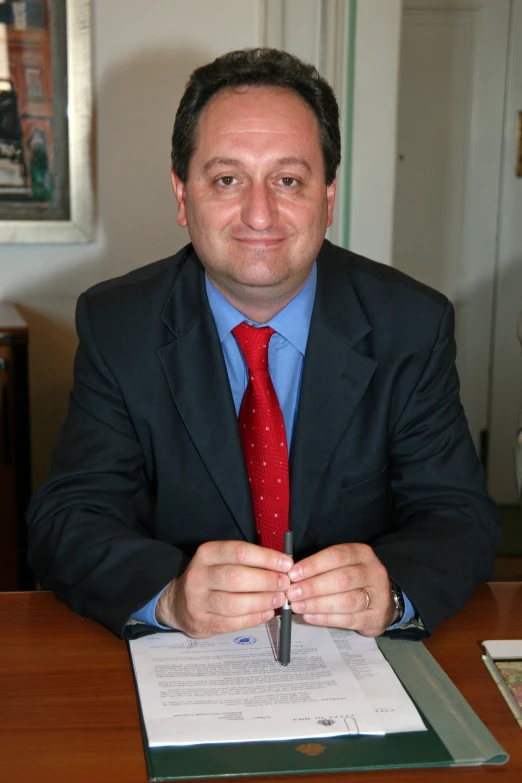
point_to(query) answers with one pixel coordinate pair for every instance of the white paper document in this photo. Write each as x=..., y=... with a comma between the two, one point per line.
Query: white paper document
x=379, y=682
x=231, y=688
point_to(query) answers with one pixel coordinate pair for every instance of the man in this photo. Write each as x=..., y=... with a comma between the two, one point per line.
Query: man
x=155, y=511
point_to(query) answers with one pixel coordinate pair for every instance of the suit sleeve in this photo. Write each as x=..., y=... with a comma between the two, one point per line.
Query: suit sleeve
x=89, y=536
x=446, y=527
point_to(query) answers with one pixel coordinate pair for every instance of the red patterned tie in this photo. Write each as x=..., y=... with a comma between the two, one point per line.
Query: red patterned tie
x=263, y=436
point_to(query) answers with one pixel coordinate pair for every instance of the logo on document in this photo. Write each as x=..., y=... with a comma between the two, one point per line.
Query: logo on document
x=326, y=722
x=245, y=640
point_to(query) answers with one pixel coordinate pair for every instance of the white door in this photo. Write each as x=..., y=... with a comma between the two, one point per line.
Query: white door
x=450, y=124
x=506, y=370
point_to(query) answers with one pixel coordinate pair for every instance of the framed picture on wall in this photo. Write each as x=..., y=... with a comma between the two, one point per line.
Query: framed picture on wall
x=46, y=193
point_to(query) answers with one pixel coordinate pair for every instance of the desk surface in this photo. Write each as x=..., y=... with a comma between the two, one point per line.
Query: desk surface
x=68, y=707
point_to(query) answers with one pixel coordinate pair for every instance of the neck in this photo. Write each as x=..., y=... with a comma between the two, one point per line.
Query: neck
x=258, y=304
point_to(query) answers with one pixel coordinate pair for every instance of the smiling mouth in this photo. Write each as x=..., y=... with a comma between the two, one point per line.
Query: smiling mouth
x=253, y=242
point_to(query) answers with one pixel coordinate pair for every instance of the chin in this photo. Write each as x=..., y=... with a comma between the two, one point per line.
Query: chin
x=261, y=278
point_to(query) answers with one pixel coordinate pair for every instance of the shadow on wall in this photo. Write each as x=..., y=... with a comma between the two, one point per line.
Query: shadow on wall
x=135, y=225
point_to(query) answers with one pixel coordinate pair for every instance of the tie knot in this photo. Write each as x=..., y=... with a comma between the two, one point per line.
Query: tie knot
x=253, y=342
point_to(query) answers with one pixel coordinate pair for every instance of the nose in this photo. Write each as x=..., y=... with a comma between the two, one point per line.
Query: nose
x=259, y=210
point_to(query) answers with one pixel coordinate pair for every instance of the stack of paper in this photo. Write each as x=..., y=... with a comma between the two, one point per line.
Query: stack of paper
x=231, y=688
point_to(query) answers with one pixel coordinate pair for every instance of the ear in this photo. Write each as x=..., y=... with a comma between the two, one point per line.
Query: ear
x=180, y=191
x=330, y=199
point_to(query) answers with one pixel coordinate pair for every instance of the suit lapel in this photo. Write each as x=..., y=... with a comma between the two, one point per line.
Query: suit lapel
x=335, y=377
x=196, y=372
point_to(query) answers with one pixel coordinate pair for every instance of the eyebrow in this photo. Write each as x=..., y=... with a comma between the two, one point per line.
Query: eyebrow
x=295, y=162
x=210, y=164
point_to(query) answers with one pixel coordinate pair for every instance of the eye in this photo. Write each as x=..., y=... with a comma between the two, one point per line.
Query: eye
x=289, y=182
x=226, y=181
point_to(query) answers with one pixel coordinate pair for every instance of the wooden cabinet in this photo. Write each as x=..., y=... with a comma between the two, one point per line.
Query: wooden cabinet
x=15, y=470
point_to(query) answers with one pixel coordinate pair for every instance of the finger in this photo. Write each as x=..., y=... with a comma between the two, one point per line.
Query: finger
x=241, y=604
x=243, y=579
x=328, y=583
x=243, y=553
x=350, y=602
x=329, y=559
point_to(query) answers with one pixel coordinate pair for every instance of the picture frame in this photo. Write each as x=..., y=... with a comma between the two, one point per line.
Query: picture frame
x=46, y=168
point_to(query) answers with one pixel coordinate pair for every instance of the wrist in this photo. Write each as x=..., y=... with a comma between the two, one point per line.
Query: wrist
x=164, y=612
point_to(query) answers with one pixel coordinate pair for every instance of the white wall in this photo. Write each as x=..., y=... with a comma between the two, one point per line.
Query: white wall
x=377, y=48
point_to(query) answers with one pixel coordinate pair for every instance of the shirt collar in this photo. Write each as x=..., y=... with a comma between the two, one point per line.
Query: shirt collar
x=292, y=322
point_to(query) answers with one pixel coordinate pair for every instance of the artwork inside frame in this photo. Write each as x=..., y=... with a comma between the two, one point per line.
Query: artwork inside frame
x=45, y=121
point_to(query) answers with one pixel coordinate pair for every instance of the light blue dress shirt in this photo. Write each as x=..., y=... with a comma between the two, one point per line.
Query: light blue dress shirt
x=286, y=352
x=286, y=348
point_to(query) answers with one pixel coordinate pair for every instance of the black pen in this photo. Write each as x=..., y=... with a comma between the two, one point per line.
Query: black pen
x=285, y=627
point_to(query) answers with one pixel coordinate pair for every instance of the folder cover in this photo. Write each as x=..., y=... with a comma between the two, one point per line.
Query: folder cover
x=455, y=736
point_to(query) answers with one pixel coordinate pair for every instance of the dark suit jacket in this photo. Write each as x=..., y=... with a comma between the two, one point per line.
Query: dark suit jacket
x=149, y=462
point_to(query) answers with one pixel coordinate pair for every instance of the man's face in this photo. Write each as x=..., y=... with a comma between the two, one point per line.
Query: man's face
x=255, y=202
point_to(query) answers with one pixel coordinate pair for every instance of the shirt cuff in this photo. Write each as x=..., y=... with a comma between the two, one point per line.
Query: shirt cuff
x=147, y=614
x=409, y=613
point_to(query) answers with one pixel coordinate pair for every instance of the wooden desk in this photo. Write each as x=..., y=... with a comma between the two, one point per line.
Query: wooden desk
x=68, y=708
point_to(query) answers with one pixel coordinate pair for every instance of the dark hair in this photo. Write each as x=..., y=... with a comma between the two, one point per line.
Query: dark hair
x=251, y=67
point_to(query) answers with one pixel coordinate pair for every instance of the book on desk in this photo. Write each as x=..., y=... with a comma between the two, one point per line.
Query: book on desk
x=503, y=660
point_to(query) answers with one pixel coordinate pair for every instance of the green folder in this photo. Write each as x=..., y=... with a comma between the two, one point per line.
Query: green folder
x=455, y=737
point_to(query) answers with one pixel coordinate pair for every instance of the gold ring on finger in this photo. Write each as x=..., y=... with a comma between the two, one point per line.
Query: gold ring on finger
x=368, y=599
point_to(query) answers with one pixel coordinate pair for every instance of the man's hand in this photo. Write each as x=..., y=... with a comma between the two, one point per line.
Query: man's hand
x=344, y=586
x=228, y=586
